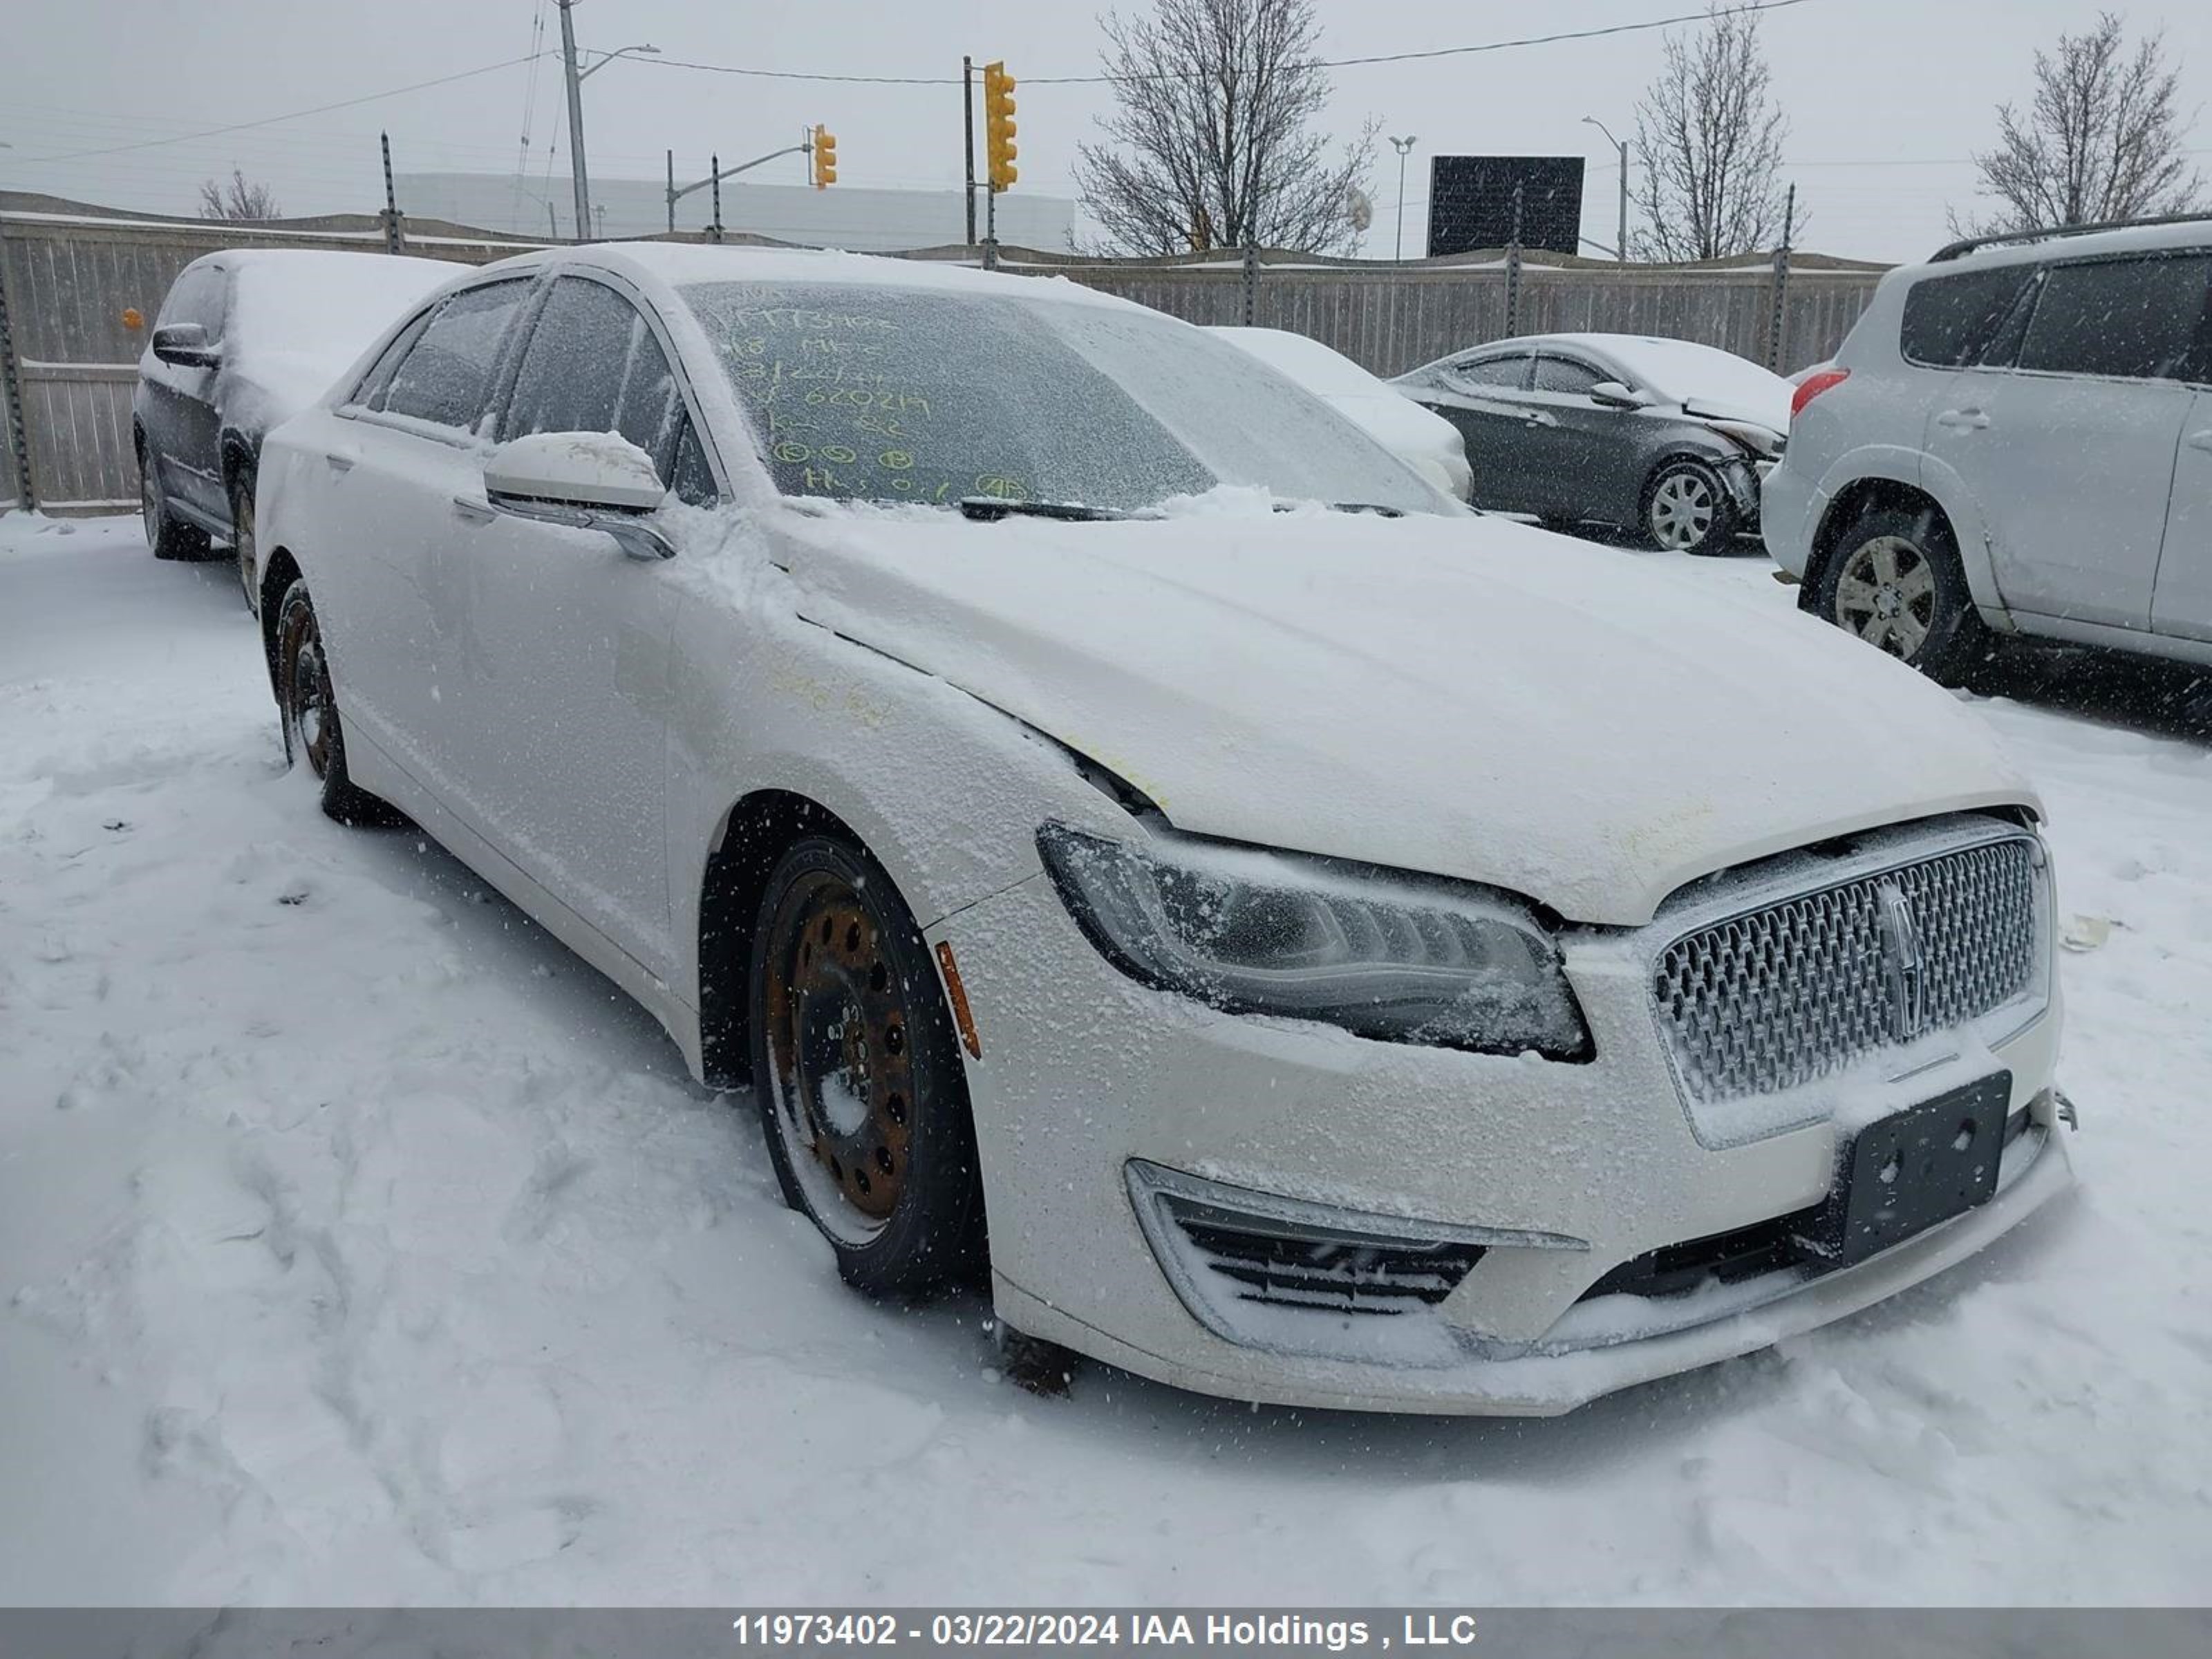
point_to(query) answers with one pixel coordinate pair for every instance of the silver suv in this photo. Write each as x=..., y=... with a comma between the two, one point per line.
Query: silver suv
x=2015, y=439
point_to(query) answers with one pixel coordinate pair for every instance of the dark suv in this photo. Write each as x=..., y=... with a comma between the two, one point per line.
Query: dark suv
x=247, y=338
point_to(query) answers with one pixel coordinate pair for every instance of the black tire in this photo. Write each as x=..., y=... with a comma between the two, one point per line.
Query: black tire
x=1688, y=508
x=1894, y=579
x=844, y=993
x=306, y=702
x=241, y=532
x=168, y=535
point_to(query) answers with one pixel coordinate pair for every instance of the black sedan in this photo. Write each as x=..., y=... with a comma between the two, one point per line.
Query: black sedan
x=1660, y=436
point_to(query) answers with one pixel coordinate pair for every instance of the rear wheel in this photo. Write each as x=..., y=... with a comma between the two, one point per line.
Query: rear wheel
x=1895, y=580
x=168, y=536
x=858, y=1079
x=307, y=701
x=241, y=534
x=1688, y=508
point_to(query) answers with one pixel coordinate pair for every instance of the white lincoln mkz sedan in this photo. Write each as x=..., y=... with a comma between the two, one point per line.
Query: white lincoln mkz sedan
x=1305, y=941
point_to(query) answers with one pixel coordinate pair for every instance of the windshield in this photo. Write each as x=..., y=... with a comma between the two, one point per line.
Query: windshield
x=896, y=394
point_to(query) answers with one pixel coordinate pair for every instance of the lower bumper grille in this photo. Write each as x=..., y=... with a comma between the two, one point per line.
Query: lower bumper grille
x=1267, y=1271
x=1344, y=1273
x=1727, y=1258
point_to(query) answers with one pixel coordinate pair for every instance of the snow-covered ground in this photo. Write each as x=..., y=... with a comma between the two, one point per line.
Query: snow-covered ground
x=358, y=1245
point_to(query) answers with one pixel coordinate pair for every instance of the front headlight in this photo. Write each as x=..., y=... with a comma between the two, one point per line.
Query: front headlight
x=1760, y=442
x=1254, y=933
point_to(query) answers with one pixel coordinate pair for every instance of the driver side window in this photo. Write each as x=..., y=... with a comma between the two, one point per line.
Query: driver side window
x=1565, y=375
x=592, y=365
x=1507, y=371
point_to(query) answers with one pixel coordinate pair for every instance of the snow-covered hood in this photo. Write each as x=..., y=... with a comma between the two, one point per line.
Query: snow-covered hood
x=1464, y=697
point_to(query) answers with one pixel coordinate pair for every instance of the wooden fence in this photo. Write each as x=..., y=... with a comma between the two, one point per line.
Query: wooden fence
x=69, y=357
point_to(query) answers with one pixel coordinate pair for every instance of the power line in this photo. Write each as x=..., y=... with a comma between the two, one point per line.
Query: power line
x=1326, y=63
x=294, y=115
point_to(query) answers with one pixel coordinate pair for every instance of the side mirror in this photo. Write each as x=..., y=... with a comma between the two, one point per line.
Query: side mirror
x=186, y=345
x=1613, y=395
x=584, y=480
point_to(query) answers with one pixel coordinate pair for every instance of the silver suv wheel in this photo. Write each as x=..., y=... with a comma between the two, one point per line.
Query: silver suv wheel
x=1886, y=594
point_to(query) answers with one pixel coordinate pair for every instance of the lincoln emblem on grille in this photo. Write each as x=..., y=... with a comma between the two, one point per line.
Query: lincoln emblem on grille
x=1905, y=964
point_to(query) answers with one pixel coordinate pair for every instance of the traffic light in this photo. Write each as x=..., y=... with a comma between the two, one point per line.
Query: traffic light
x=825, y=157
x=999, y=126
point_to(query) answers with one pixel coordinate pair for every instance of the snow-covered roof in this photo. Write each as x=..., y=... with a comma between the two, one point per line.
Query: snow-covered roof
x=1682, y=370
x=682, y=263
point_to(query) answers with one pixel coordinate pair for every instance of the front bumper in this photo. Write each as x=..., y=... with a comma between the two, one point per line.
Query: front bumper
x=1566, y=1171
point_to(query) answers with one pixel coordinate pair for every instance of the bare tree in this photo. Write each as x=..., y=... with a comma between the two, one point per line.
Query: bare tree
x=239, y=199
x=1213, y=142
x=1711, y=136
x=2101, y=139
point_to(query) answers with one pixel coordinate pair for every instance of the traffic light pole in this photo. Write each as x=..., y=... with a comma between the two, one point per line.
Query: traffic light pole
x=717, y=173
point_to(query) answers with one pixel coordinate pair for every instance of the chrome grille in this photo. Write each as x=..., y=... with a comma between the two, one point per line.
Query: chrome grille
x=1797, y=990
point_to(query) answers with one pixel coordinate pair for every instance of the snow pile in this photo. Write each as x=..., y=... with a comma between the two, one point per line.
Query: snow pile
x=358, y=1245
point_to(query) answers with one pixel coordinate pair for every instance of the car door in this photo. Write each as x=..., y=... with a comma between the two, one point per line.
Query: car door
x=1570, y=451
x=2070, y=451
x=2181, y=602
x=1483, y=394
x=561, y=678
x=394, y=461
x=181, y=417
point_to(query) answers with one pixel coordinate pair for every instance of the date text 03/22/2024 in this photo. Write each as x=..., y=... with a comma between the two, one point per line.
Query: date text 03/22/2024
x=1034, y=1628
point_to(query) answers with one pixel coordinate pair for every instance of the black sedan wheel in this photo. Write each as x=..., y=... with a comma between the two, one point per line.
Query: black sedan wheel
x=857, y=1076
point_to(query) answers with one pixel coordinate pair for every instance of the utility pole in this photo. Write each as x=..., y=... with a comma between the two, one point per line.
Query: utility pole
x=968, y=136
x=1404, y=147
x=575, y=119
x=671, y=192
x=1781, y=282
x=714, y=177
x=1621, y=242
x=393, y=241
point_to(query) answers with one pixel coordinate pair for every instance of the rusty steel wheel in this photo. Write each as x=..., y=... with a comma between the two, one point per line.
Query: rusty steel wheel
x=860, y=1090
x=307, y=703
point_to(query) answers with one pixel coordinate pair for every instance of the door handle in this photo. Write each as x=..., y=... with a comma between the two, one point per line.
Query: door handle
x=2201, y=440
x=1963, y=419
x=340, y=460
x=1540, y=419
x=474, y=511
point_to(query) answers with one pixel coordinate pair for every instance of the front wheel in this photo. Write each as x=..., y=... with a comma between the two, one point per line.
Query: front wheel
x=857, y=1076
x=308, y=702
x=1895, y=580
x=1688, y=508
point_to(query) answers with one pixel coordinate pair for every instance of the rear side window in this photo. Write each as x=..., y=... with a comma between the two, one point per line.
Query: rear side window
x=448, y=372
x=592, y=365
x=372, y=384
x=1950, y=322
x=2137, y=320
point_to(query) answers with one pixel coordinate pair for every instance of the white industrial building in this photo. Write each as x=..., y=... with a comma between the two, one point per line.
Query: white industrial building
x=843, y=216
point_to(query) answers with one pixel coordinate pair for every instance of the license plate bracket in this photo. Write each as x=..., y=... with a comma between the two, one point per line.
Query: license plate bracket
x=1903, y=1174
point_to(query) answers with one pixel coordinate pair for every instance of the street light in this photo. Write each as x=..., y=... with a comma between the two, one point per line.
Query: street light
x=1404, y=147
x=1620, y=248
x=620, y=51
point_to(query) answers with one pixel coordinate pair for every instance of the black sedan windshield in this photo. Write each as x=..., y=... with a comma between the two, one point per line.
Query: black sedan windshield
x=863, y=393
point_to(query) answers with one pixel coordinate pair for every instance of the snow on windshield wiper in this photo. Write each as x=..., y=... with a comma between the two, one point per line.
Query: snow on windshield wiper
x=1377, y=507
x=986, y=508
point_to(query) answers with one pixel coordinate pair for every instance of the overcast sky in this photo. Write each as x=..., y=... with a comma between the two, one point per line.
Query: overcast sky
x=1886, y=98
